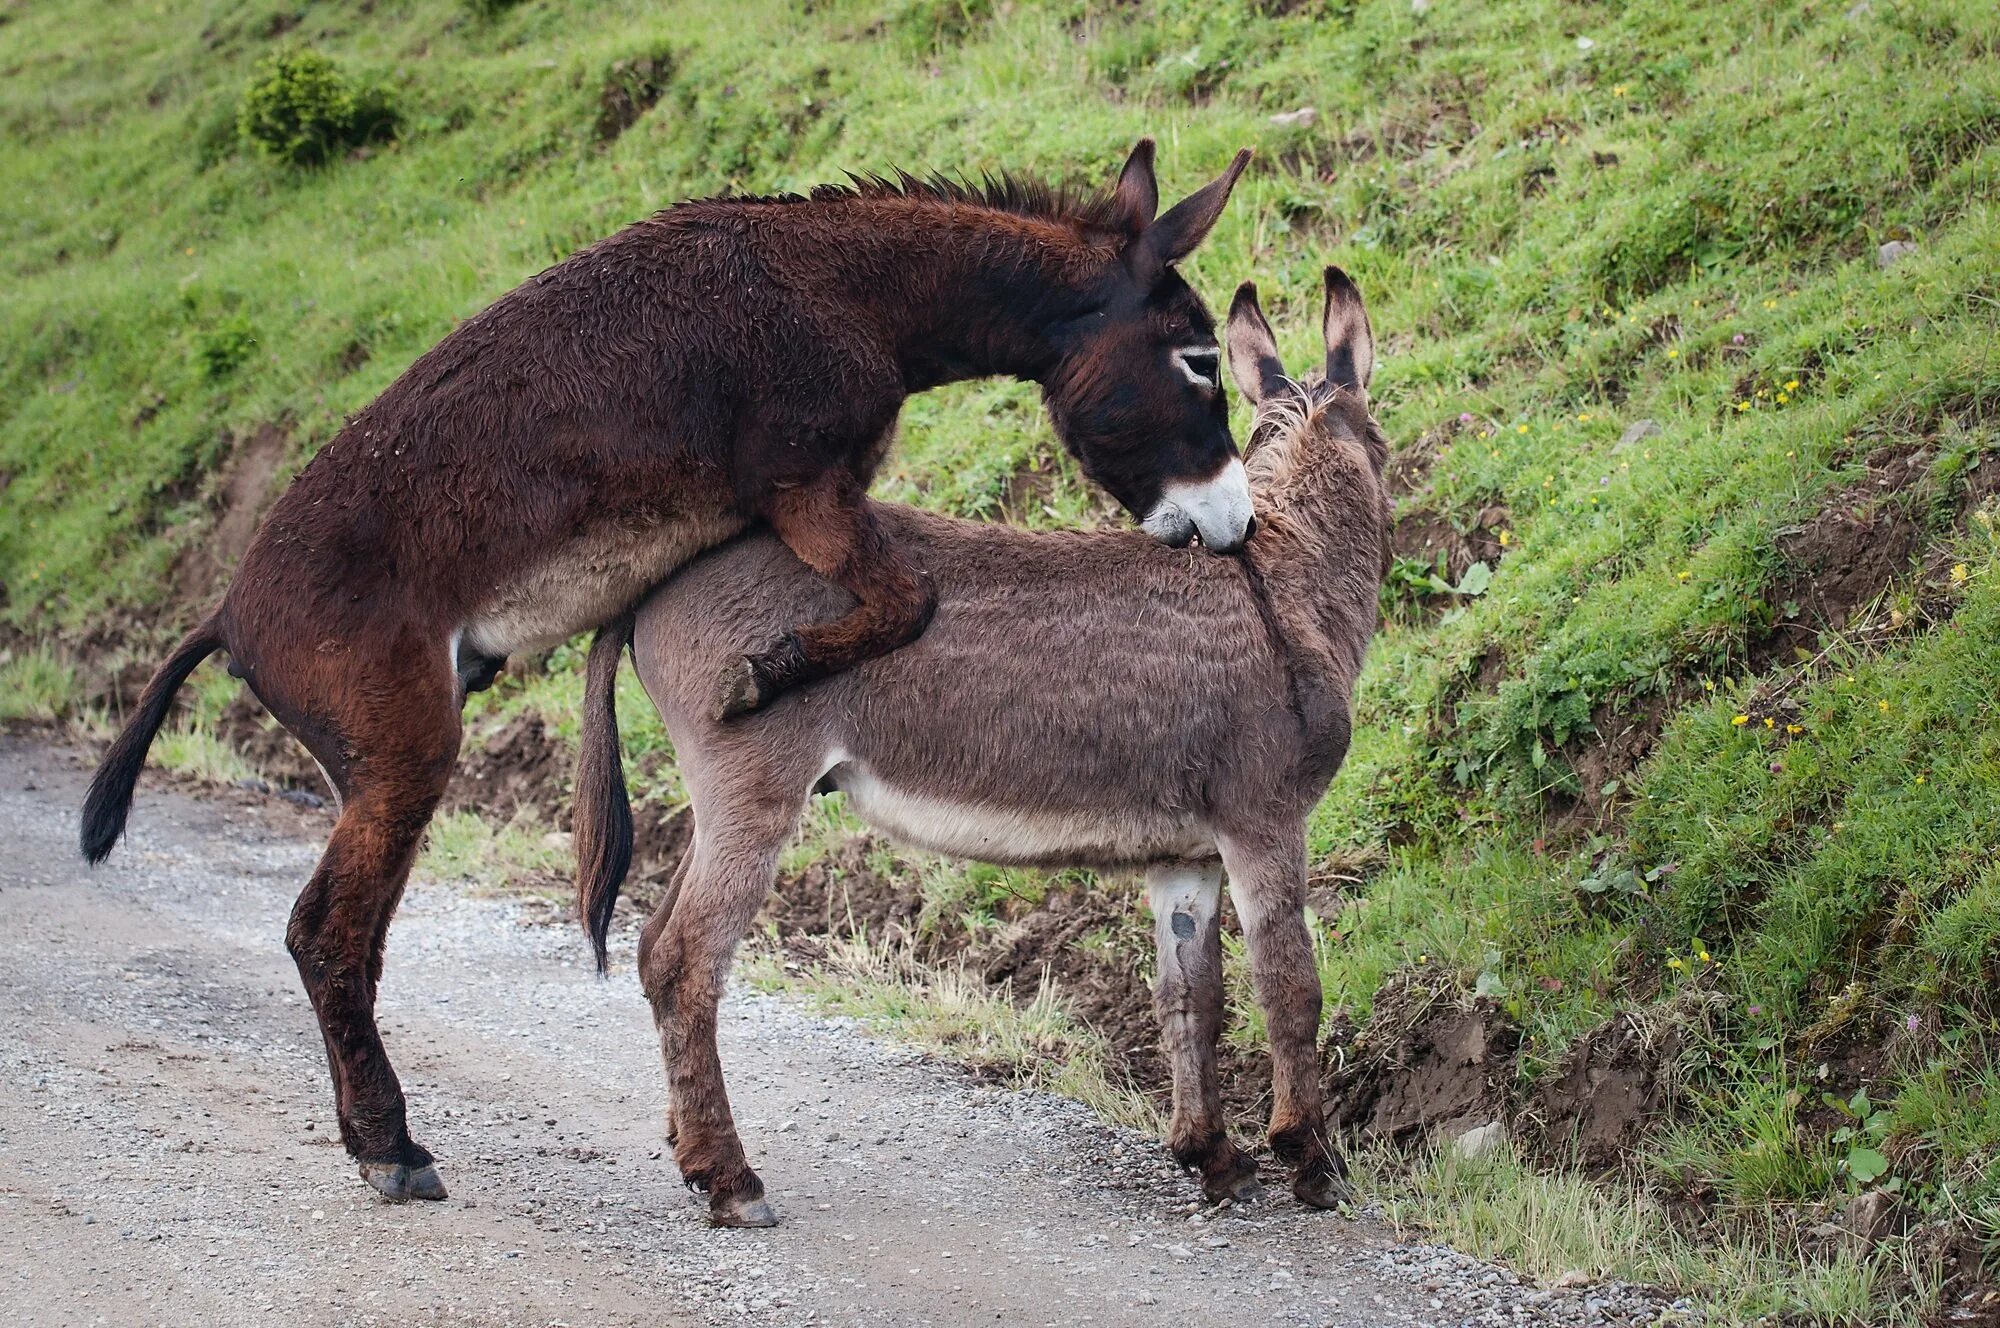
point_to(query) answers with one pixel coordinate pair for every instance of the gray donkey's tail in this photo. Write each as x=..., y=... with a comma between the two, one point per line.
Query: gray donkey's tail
x=601, y=813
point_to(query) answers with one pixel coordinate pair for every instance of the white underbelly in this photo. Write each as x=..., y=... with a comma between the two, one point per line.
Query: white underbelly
x=586, y=582
x=1014, y=835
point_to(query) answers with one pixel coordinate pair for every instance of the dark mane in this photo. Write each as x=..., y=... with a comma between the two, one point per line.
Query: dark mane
x=1091, y=209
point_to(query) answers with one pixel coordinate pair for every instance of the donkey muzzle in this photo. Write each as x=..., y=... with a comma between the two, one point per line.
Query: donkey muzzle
x=1217, y=509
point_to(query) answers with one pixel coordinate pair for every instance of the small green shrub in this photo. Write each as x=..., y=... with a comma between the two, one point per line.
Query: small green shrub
x=301, y=109
x=221, y=350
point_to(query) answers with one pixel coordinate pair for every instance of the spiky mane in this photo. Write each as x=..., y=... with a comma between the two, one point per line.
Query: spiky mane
x=1020, y=196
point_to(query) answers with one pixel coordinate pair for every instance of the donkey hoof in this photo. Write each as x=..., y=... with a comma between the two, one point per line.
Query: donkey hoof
x=1324, y=1190
x=399, y=1183
x=742, y=1213
x=1243, y=1190
x=741, y=691
x=1238, y=1183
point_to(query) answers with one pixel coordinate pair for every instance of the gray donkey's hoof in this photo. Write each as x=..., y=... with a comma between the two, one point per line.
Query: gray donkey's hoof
x=742, y=1213
x=399, y=1183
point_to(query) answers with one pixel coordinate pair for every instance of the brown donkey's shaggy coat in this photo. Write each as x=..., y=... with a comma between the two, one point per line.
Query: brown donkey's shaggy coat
x=1079, y=698
x=720, y=363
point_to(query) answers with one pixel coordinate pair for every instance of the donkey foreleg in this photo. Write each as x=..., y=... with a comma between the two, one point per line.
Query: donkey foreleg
x=1267, y=884
x=1187, y=924
x=831, y=528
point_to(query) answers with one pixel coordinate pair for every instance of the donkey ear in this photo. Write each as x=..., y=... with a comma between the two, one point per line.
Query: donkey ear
x=1350, y=344
x=1253, y=351
x=1137, y=195
x=1174, y=236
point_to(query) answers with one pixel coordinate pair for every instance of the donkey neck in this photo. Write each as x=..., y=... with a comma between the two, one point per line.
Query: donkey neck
x=963, y=291
x=1319, y=558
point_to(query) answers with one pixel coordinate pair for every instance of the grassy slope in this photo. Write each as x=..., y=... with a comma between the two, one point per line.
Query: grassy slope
x=1674, y=223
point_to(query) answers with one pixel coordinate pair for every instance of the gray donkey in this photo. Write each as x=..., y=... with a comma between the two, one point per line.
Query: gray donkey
x=1081, y=698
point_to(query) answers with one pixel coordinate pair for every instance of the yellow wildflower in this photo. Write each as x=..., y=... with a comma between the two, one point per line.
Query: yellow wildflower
x=1792, y=386
x=1617, y=89
x=1920, y=779
x=1795, y=729
x=1959, y=573
x=1704, y=958
x=1520, y=428
x=1882, y=706
x=1682, y=576
x=1742, y=405
x=1770, y=723
x=1676, y=964
x=1782, y=398
x=1674, y=353
x=1505, y=537
x=1740, y=720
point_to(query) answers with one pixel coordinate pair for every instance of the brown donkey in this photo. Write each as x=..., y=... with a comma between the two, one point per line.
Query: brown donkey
x=720, y=363
x=1080, y=698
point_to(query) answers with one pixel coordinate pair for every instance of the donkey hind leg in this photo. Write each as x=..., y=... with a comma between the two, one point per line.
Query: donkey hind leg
x=1267, y=884
x=684, y=971
x=831, y=528
x=341, y=921
x=649, y=936
x=1187, y=924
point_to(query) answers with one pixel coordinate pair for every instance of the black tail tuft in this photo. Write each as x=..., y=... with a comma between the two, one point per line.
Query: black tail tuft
x=110, y=796
x=601, y=814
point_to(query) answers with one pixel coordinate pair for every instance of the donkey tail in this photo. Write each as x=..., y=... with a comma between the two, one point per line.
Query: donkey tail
x=601, y=814
x=110, y=796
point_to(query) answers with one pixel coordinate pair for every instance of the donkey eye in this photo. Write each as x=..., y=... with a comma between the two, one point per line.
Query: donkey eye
x=1202, y=366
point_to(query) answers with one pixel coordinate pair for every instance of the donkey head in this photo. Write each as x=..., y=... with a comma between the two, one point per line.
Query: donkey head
x=1333, y=397
x=1136, y=390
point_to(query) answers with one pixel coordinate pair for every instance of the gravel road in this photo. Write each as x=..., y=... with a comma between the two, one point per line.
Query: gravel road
x=167, y=1151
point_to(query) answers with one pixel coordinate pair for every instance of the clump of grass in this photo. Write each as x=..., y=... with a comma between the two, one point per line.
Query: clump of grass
x=195, y=750
x=1038, y=1044
x=512, y=855
x=1549, y=1224
x=36, y=684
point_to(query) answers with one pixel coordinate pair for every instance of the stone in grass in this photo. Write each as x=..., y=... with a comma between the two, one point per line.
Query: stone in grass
x=1480, y=1140
x=1894, y=252
x=1638, y=431
x=1872, y=1215
x=1298, y=119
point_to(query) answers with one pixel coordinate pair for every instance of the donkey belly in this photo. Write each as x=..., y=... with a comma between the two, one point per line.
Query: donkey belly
x=1018, y=836
x=586, y=581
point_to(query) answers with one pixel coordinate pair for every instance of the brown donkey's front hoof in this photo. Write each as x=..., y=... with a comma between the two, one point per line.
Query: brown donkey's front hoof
x=742, y=1211
x=1323, y=1189
x=1235, y=1181
x=741, y=690
x=399, y=1183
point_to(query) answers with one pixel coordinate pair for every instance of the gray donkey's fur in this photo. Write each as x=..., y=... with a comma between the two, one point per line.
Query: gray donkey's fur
x=1080, y=698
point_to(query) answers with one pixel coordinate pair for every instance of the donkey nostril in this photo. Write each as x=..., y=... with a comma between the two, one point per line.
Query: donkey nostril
x=1249, y=528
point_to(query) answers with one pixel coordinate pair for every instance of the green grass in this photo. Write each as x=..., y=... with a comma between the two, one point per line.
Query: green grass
x=1030, y=1043
x=1676, y=221
x=467, y=847
x=36, y=684
x=1553, y=1225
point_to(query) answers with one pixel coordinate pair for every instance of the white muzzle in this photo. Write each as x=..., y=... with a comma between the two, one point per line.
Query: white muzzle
x=1217, y=509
